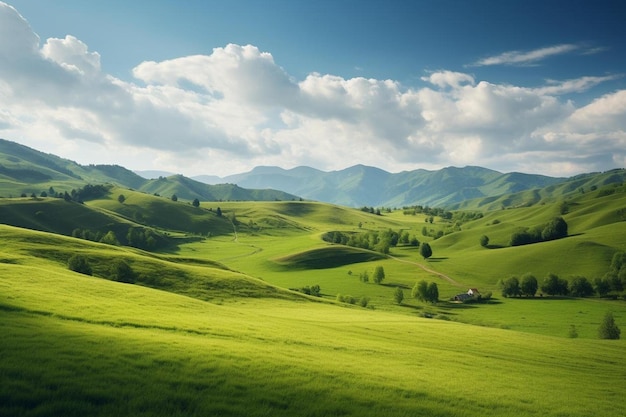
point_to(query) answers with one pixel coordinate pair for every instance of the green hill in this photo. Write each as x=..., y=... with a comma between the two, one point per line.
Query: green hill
x=79, y=345
x=24, y=170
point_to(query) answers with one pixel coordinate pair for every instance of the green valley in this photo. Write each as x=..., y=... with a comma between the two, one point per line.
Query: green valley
x=260, y=308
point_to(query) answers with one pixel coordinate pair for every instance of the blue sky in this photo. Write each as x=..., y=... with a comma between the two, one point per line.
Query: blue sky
x=218, y=87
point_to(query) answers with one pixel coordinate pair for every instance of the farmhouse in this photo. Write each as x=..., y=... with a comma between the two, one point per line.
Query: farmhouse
x=471, y=293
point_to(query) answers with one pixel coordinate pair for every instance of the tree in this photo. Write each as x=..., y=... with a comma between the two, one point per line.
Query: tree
x=420, y=291
x=218, y=212
x=121, y=198
x=608, y=329
x=602, y=286
x=122, y=272
x=484, y=241
x=174, y=197
x=110, y=238
x=553, y=285
x=379, y=274
x=555, y=229
x=529, y=285
x=432, y=293
x=581, y=287
x=398, y=295
x=510, y=287
x=80, y=264
x=425, y=250
x=196, y=203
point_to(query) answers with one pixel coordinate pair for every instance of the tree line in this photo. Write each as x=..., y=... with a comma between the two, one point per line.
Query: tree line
x=613, y=282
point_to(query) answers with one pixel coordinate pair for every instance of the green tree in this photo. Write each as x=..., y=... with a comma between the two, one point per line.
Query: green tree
x=379, y=274
x=174, y=197
x=110, y=238
x=553, y=285
x=602, y=286
x=121, y=198
x=121, y=271
x=608, y=329
x=510, y=287
x=432, y=293
x=420, y=291
x=218, y=212
x=196, y=203
x=581, y=287
x=80, y=264
x=529, y=285
x=398, y=295
x=555, y=229
x=484, y=241
x=425, y=250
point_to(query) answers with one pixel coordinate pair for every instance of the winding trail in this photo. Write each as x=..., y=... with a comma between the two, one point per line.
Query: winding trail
x=427, y=269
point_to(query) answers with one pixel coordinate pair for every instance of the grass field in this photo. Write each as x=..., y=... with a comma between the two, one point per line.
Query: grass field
x=211, y=328
x=76, y=345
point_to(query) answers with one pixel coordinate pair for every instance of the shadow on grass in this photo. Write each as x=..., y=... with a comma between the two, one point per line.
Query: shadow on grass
x=439, y=259
x=392, y=285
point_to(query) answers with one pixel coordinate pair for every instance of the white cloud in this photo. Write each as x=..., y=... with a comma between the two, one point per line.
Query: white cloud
x=236, y=108
x=526, y=57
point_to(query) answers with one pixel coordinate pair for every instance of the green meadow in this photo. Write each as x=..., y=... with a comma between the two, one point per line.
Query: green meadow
x=216, y=324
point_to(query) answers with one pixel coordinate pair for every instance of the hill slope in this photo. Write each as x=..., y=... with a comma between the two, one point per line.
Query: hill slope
x=24, y=170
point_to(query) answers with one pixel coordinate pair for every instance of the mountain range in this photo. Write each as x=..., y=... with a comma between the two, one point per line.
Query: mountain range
x=24, y=170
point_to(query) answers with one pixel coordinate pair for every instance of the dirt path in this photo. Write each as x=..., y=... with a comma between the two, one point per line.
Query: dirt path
x=427, y=269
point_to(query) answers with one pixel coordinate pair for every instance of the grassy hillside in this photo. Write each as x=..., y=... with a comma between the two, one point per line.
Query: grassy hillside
x=77, y=345
x=164, y=213
x=570, y=188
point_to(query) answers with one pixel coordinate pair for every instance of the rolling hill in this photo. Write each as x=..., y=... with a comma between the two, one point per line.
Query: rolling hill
x=24, y=170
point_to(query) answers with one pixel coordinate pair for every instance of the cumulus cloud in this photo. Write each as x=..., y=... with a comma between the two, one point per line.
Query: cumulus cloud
x=236, y=108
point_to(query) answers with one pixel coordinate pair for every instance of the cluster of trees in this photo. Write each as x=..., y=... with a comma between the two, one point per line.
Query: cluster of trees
x=314, y=290
x=426, y=292
x=88, y=192
x=614, y=281
x=96, y=236
x=528, y=286
x=378, y=276
x=119, y=270
x=376, y=241
x=371, y=210
x=555, y=229
x=348, y=299
x=137, y=237
x=428, y=211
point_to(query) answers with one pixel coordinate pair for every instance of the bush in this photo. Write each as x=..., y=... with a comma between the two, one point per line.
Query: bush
x=608, y=329
x=122, y=272
x=398, y=295
x=80, y=264
x=484, y=241
x=379, y=274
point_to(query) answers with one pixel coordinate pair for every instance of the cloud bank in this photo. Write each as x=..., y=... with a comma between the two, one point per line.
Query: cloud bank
x=237, y=108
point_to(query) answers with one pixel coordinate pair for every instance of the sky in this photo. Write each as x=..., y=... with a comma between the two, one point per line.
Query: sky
x=202, y=87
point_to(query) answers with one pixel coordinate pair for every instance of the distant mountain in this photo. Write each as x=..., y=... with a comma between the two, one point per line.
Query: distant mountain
x=24, y=170
x=361, y=185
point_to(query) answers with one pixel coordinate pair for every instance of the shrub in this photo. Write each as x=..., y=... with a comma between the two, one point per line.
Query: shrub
x=364, y=301
x=398, y=295
x=608, y=329
x=80, y=264
x=122, y=272
x=379, y=274
x=484, y=241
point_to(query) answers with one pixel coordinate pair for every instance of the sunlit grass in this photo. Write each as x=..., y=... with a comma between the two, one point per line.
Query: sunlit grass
x=75, y=345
